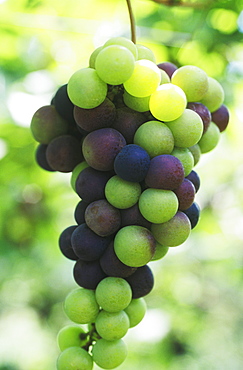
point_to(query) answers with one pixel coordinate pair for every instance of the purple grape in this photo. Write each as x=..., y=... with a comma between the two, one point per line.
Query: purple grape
x=127, y=122
x=133, y=216
x=193, y=213
x=80, y=211
x=40, y=157
x=65, y=243
x=185, y=194
x=63, y=105
x=221, y=117
x=168, y=67
x=141, y=281
x=203, y=112
x=195, y=179
x=88, y=274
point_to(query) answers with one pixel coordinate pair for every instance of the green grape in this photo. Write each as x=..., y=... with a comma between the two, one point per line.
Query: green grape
x=136, y=311
x=187, y=129
x=134, y=245
x=145, y=53
x=210, y=138
x=109, y=354
x=85, y=88
x=192, y=80
x=158, y=205
x=114, y=64
x=196, y=152
x=135, y=103
x=76, y=171
x=74, y=358
x=186, y=158
x=112, y=325
x=168, y=102
x=155, y=137
x=93, y=56
x=144, y=80
x=160, y=251
x=80, y=306
x=121, y=193
x=123, y=41
x=71, y=336
x=165, y=79
x=113, y=294
x=214, y=97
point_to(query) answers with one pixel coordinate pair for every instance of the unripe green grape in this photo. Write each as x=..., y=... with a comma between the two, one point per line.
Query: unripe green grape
x=165, y=79
x=210, y=139
x=76, y=171
x=85, y=89
x=160, y=251
x=71, y=336
x=144, y=80
x=123, y=41
x=114, y=64
x=121, y=193
x=74, y=358
x=158, y=205
x=168, y=102
x=135, y=103
x=145, y=53
x=196, y=152
x=93, y=56
x=192, y=80
x=136, y=311
x=186, y=158
x=80, y=306
x=109, y=354
x=113, y=294
x=112, y=325
x=214, y=97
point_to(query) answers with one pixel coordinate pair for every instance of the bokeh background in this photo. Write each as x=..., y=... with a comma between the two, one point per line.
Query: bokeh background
x=194, y=319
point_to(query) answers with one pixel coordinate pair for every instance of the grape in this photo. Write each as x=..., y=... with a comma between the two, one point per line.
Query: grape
x=214, y=97
x=192, y=80
x=40, y=156
x=74, y=358
x=145, y=53
x=123, y=41
x=185, y=194
x=155, y=137
x=168, y=102
x=168, y=67
x=102, y=217
x=65, y=243
x=113, y=294
x=173, y=232
x=165, y=172
x=127, y=122
x=196, y=152
x=76, y=171
x=64, y=153
x=203, y=112
x=63, y=105
x=136, y=103
x=158, y=205
x=90, y=184
x=132, y=163
x=160, y=251
x=112, y=266
x=187, y=129
x=193, y=213
x=221, y=117
x=195, y=179
x=71, y=336
x=112, y=325
x=93, y=56
x=141, y=282
x=133, y=216
x=114, y=64
x=186, y=158
x=88, y=274
x=81, y=306
x=144, y=79
x=210, y=139
x=109, y=354
x=134, y=245
x=121, y=193
x=80, y=211
x=99, y=117
x=47, y=124
x=86, y=244
x=136, y=311
x=100, y=148
x=165, y=79
x=85, y=88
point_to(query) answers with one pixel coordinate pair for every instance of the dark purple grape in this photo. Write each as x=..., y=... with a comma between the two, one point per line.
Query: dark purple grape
x=88, y=274
x=141, y=281
x=195, y=179
x=132, y=163
x=64, y=153
x=100, y=148
x=185, y=194
x=87, y=245
x=221, y=117
x=80, y=211
x=63, y=105
x=127, y=122
x=112, y=266
x=40, y=157
x=96, y=118
x=65, y=243
x=203, y=112
x=133, y=216
x=165, y=172
x=90, y=184
x=168, y=67
x=193, y=213
x=102, y=217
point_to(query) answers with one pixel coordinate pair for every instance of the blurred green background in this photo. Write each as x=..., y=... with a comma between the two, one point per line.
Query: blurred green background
x=194, y=320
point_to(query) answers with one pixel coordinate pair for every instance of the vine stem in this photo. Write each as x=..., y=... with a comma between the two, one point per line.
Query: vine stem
x=132, y=21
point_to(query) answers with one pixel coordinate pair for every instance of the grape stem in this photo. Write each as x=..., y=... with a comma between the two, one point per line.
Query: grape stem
x=132, y=21
x=93, y=336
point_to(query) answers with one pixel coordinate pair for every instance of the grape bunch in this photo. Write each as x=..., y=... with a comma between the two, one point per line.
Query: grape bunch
x=130, y=131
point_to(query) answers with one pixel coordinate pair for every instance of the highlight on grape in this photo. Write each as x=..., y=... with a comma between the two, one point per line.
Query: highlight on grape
x=130, y=132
